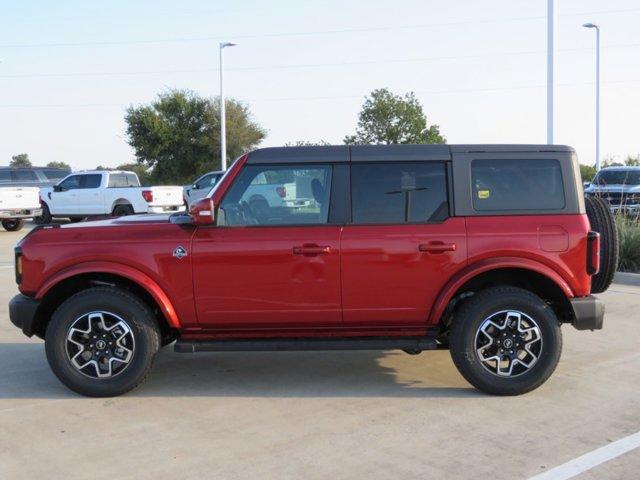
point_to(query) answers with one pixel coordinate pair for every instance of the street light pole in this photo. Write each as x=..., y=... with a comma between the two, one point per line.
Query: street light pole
x=223, y=118
x=552, y=14
x=592, y=25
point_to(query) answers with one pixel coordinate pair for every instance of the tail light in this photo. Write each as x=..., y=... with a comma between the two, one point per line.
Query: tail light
x=18, y=265
x=147, y=195
x=593, y=253
x=282, y=191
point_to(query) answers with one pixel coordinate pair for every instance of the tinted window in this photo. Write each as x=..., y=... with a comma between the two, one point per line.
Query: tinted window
x=117, y=180
x=24, y=176
x=70, y=183
x=278, y=195
x=618, y=177
x=90, y=181
x=517, y=184
x=52, y=174
x=398, y=192
x=5, y=176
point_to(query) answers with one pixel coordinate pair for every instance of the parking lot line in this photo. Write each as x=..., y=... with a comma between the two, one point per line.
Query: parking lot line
x=592, y=459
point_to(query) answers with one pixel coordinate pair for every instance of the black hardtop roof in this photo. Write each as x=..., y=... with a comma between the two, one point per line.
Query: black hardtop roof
x=372, y=153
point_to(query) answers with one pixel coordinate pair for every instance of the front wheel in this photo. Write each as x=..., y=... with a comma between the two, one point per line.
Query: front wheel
x=505, y=341
x=102, y=342
x=13, y=224
x=45, y=218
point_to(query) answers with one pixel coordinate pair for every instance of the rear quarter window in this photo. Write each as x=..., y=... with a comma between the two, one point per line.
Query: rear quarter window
x=517, y=184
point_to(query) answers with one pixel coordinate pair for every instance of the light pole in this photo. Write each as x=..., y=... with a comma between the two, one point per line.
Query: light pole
x=552, y=22
x=223, y=127
x=593, y=25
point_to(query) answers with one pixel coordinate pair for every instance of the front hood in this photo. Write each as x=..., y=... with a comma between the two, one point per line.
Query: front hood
x=619, y=188
x=121, y=221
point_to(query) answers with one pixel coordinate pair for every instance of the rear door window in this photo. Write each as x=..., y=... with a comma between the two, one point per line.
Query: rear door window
x=523, y=184
x=90, y=181
x=5, y=176
x=398, y=192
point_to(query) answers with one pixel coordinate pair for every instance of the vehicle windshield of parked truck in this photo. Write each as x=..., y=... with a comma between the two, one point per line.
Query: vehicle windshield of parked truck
x=484, y=250
x=618, y=177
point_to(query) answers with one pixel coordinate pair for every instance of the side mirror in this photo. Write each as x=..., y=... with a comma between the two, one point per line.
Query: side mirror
x=202, y=212
x=57, y=188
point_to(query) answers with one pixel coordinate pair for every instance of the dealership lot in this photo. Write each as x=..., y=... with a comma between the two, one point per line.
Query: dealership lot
x=320, y=414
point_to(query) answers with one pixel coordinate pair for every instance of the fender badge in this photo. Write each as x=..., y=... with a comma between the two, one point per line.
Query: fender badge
x=180, y=252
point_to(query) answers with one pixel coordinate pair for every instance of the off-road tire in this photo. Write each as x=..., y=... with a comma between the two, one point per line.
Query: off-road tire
x=139, y=319
x=13, y=224
x=122, y=210
x=470, y=316
x=602, y=221
x=45, y=218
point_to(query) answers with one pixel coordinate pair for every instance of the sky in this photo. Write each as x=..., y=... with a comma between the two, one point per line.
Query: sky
x=70, y=68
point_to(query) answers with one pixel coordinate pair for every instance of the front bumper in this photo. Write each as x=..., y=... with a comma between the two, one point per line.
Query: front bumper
x=588, y=313
x=28, y=213
x=22, y=312
x=167, y=209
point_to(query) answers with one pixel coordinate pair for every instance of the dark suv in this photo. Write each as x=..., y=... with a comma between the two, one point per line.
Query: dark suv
x=485, y=250
x=31, y=176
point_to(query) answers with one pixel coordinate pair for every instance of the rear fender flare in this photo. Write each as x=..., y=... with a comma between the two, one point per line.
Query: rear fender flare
x=140, y=278
x=471, y=271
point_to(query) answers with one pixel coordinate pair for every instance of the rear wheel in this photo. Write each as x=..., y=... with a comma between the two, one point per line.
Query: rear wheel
x=122, y=210
x=76, y=219
x=102, y=342
x=602, y=221
x=13, y=224
x=505, y=341
x=45, y=218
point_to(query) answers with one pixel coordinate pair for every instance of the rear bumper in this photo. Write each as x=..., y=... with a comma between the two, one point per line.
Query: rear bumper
x=167, y=209
x=21, y=213
x=22, y=312
x=588, y=313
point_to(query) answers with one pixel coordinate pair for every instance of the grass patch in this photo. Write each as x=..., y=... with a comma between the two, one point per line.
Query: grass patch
x=629, y=235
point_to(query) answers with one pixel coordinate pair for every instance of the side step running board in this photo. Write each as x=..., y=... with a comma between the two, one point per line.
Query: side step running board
x=302, y=344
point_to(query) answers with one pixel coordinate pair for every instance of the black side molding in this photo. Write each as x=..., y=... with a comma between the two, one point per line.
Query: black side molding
x=305, y=344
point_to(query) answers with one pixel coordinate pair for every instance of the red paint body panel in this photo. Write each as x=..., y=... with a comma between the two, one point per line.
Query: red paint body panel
x=249, y=277
x=387, y=280
x=140, y=251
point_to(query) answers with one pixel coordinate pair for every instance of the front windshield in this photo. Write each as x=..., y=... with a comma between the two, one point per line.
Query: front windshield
x=618, y=177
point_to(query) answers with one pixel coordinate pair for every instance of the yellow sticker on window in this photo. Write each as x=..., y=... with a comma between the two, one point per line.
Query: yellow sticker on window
x=483, y=193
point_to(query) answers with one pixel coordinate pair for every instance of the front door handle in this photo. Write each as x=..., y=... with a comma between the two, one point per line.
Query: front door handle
x=311, y=250
x=437, y=247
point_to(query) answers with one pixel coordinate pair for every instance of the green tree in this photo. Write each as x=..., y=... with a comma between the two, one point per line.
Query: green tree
x=64, y=165
x=587, y=172
x=143, y=173
x=177, y=137
x=632, y=161
x=387, y=118
x=20, y=160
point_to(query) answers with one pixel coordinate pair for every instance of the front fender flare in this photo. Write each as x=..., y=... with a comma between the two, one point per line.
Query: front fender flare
x=140, y=278
x=475, y=269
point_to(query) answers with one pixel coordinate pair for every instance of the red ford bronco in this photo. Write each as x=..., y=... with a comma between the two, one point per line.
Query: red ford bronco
x=485, y=250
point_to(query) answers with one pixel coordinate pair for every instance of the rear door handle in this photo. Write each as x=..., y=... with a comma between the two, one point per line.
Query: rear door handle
x=311, y=250
x=437, y=247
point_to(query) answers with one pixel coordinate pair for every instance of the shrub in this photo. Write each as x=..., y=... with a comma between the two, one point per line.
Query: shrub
x=629, y=234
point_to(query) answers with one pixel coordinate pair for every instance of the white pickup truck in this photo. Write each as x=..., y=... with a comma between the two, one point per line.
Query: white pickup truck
x=103, y=192
x=16, y=204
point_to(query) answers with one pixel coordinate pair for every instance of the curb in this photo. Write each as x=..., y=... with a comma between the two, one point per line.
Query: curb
x=626, y=278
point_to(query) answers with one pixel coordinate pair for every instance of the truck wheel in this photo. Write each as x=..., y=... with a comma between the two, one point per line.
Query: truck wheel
x=13, y=224
x=602, y=221
x=45, y=218
x=102, y=342
x=76, y=219
x=505, y=341
x=122, y=210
